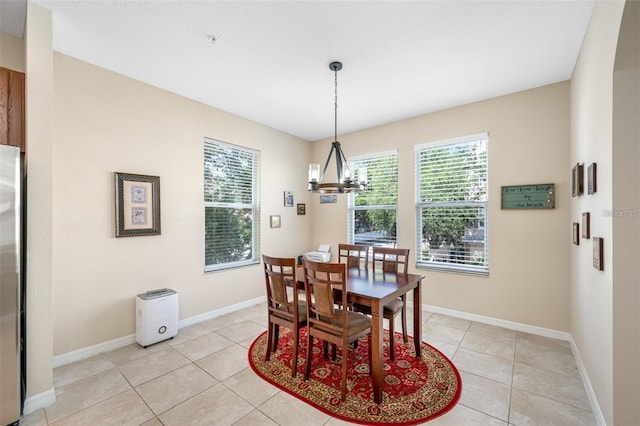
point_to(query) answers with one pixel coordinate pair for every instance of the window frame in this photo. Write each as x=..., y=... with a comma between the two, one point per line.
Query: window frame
x=254, y=206
x=482, y=270
x=352, y=208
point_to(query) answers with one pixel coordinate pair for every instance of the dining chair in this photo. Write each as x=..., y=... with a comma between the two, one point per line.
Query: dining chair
x=327, y=322
x=354, y=255
x=284, y=309
x=394, y=260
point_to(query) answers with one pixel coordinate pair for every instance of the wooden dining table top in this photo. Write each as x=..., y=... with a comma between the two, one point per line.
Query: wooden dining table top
x=371, y=283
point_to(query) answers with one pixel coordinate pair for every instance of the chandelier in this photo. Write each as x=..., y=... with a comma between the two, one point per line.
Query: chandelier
x=346, y=181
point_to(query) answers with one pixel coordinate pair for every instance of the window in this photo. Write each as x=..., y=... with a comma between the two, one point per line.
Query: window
x=372, y=212
x=451, y=205
x=231, y=208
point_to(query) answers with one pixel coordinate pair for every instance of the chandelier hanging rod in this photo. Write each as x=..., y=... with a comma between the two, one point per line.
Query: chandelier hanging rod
x=345, y=182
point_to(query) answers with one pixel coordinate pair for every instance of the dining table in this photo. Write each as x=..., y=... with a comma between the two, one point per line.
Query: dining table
x=375, y=288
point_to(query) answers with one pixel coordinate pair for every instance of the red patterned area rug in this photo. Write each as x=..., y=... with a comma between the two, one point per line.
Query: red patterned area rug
x=415, y=390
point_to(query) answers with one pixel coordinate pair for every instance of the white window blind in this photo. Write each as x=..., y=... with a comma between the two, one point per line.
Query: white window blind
x=231, y=206
x=372, y=212
x=451, y=205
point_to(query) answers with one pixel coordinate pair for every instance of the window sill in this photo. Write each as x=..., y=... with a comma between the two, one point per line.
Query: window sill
x=230, y=265
x=451, y=269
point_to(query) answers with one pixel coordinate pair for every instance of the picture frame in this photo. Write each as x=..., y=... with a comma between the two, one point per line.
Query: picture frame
x=576, y=233
x=592, y=180
x=288, y=199
x=328, y=199
x=577, y=184
x=302, y=209
x=598, y=253
x=586, y=219
x=537, y=196
x=137, y=204
x=274, y=221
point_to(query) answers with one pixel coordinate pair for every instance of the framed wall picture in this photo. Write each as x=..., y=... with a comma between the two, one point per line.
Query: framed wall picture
x=274, y=221
x=288, y=199
x=137, y=205
x=538, y=196
x=585, y=225
x=328, y=199
x=576, y=233
x=592, y=180
x=577, y=187
x=598, y=252
x=302, y=209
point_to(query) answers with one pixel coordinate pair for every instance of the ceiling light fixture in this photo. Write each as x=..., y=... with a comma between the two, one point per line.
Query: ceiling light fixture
x=346, y=180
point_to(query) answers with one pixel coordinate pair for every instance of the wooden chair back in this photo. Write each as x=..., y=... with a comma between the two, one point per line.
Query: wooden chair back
x=324, y=285
x=279, y=276
x=354, y=255
x=283, y=307
x=391, y=259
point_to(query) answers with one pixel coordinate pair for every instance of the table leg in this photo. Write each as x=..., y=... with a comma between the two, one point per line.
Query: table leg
x=417, y=319
x=377, y=352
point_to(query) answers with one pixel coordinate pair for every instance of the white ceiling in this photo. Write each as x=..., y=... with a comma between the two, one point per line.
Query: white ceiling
x=270, y=61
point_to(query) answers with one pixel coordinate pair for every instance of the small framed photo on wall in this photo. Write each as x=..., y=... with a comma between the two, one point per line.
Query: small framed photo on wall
x=328, y=199
x=302, y=209
x=288, y=199
x=577, y=187
x=576, y=233
x=585, y=225
x=598, y=258
x=592, y=181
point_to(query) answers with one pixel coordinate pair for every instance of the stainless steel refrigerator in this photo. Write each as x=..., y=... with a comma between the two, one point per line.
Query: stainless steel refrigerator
x=10, y=285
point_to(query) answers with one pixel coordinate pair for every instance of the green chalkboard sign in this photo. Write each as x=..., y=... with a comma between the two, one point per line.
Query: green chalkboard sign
x=541, y=196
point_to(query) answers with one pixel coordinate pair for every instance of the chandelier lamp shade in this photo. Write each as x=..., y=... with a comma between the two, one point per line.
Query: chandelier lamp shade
x=346, y=180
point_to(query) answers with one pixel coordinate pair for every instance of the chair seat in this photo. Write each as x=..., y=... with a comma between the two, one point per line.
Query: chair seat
x=356, y=323
x=389, y=311
x=393, y=307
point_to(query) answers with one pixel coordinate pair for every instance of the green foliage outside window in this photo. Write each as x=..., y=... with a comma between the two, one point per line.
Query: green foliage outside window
x=372, y=213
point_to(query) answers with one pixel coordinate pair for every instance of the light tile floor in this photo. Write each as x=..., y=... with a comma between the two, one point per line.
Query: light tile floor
x=202, y=377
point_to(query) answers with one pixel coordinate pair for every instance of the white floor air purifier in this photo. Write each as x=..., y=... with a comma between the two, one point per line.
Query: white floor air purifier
x=156, y=316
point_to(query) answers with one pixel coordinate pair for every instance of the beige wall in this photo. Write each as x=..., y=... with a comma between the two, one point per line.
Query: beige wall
x=529, y=249
x=626, y=226
x=11, y=52
x=105, y=122
x=39, y=165
x=591, y=141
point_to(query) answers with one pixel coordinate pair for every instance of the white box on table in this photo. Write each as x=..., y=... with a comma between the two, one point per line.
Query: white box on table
x=321, y=255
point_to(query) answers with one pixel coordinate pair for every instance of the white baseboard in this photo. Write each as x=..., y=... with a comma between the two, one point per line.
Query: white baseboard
x=222, y=311
x=595, y=407
x=89, y=351
x=41, y=400
x=540, y=331
x=77, y=355
x=511, y=325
